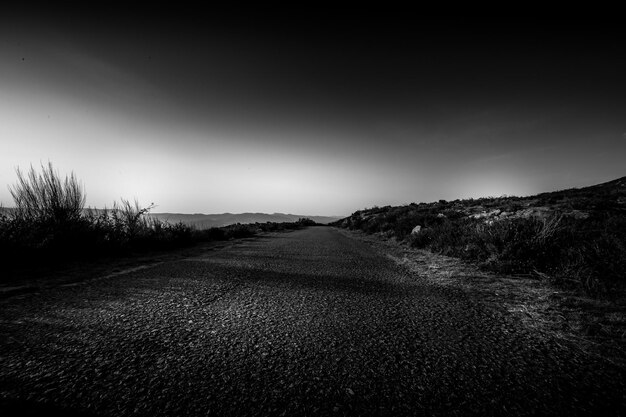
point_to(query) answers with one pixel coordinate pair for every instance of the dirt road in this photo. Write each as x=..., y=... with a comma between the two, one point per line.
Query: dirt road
x=310, y=322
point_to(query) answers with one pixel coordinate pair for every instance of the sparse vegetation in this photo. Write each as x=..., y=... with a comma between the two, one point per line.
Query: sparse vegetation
x=49, y=225
x=575, y=238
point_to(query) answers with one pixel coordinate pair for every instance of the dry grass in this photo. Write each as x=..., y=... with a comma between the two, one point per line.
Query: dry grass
x=576, y=238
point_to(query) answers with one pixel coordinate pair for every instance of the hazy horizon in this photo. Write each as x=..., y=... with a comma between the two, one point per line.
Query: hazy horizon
x=155, y=209
x=315, y=115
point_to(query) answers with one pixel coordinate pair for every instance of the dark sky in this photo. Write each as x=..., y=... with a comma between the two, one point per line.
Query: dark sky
x=313, y=113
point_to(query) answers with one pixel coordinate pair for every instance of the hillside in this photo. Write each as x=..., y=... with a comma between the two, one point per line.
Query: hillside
x=573, y=237
x=608, y=197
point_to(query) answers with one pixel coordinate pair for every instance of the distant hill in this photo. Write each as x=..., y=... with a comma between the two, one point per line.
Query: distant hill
x=203, y=221
x=608, y=197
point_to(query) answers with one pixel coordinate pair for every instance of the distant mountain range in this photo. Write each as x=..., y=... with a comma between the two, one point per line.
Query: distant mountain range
x=203, y=221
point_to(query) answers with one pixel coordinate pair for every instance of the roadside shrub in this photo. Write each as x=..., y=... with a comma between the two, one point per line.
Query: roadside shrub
x=568, y=250
x=305, y=221
x=597, y=262
x=46, y=198
x=238, y=231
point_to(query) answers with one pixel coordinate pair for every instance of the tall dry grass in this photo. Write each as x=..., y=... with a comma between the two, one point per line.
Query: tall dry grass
x=46, y=197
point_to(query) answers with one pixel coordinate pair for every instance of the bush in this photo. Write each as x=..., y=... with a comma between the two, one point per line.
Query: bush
x=45, y=198
x=568, y=250
x=303, y=222
x=238, y=231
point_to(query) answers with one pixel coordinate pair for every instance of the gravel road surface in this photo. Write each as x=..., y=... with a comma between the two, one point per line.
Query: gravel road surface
x=310, y=322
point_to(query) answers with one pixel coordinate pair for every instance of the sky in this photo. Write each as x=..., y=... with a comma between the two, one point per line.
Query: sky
x=317, y=113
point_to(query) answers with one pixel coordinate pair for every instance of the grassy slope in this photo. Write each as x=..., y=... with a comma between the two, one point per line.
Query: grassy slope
x=575, y=237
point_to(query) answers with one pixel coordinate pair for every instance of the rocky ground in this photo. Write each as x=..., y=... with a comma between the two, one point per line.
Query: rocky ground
x=312, y=322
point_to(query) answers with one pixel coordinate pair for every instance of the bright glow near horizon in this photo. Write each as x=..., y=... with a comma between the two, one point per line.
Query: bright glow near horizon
x=216, y=126
x=179, y=171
